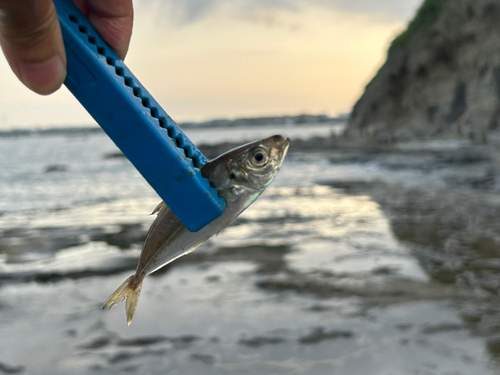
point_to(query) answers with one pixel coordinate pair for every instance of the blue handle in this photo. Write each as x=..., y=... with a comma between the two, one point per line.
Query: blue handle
x=137, y=124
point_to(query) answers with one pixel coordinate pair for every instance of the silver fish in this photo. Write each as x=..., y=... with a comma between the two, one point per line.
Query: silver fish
x=239, y=176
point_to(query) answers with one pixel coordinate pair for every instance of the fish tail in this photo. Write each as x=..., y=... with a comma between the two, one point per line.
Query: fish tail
x=129, y=290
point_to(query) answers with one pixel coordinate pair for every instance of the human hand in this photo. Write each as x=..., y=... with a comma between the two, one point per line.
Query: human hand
x=31, y=40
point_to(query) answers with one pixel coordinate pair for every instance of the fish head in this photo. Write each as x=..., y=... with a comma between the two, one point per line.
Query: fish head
x=257, y=163
x=251, y=167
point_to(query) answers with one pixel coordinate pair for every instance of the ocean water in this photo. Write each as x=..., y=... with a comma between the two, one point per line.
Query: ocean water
x=88, y=176
x=311, y=279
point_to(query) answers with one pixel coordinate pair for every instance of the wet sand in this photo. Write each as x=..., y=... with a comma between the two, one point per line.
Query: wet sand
x=385, y=262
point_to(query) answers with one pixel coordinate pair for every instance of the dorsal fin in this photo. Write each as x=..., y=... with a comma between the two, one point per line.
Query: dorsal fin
x=158, y=208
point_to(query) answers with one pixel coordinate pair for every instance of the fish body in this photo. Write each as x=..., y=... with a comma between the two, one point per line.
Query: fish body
x=239, y=176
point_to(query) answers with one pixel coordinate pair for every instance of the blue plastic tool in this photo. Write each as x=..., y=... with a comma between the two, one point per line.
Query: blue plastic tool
x=137, y=124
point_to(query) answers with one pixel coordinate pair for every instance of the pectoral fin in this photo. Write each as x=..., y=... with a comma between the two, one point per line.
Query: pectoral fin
x=232, y=193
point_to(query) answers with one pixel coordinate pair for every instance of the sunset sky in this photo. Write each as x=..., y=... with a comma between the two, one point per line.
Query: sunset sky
x=204, y=59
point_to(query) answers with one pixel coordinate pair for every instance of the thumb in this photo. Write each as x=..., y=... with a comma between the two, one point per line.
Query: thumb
x=31, y=40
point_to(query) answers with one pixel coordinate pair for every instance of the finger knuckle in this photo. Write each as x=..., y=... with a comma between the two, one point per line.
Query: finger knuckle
x=29, y=34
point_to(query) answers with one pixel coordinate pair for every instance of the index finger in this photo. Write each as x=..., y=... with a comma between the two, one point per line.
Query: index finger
x=113, y=19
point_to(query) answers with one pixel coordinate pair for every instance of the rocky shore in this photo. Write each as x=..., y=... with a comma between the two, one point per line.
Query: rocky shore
x=387, y=249
x=441, y=76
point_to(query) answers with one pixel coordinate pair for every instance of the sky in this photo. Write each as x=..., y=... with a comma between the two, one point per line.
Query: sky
x=206, y=59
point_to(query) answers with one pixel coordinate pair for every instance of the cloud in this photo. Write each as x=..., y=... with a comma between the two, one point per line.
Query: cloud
x=400, y=10
x=189, y=11
x=184, y=12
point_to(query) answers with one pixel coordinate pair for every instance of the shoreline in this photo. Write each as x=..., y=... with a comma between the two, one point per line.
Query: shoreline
x=382, y=245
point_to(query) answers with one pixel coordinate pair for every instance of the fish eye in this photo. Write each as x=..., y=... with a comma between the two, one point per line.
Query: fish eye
x=259, y=157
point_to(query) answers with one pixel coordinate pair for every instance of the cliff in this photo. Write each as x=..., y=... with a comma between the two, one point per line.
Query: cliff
x=441, y=76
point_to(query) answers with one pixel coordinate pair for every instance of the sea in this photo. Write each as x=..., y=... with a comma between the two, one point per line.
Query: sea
x=44, y=173
x=311, y=279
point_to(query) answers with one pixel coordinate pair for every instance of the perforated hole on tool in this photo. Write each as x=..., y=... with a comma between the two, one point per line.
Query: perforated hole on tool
x=163, y=122
x=185, y=147
x=154, y=113
x=175, y=133
x=172, y=131
x=181, y=142
x=189, y=153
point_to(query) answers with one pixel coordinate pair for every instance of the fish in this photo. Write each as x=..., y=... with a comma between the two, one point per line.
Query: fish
x=239, y=176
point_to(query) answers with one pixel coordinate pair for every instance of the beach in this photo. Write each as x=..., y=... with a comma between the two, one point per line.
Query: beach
x=356, y=260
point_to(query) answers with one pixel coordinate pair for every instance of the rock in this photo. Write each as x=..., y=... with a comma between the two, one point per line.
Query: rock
x=56, y=168
x=6, y=369
x=142, y=341
x=97, y=343
x=258, y=341
x=320, y=334
x=128, y=235
x=114, y=155
x=493, y=346
x=443, y=327
x=439, y=78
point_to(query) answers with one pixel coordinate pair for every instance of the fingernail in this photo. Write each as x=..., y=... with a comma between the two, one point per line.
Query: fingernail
x=43, y=77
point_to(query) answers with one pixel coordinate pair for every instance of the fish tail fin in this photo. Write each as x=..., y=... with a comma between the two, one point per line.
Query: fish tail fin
x=129, y=290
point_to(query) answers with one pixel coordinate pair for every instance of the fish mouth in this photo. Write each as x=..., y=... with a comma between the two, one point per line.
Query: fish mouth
x=278, y=140
x=282, y=150
x=284, y=146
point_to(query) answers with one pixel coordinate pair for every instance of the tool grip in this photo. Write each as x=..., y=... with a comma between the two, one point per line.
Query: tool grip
x=137, y=124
